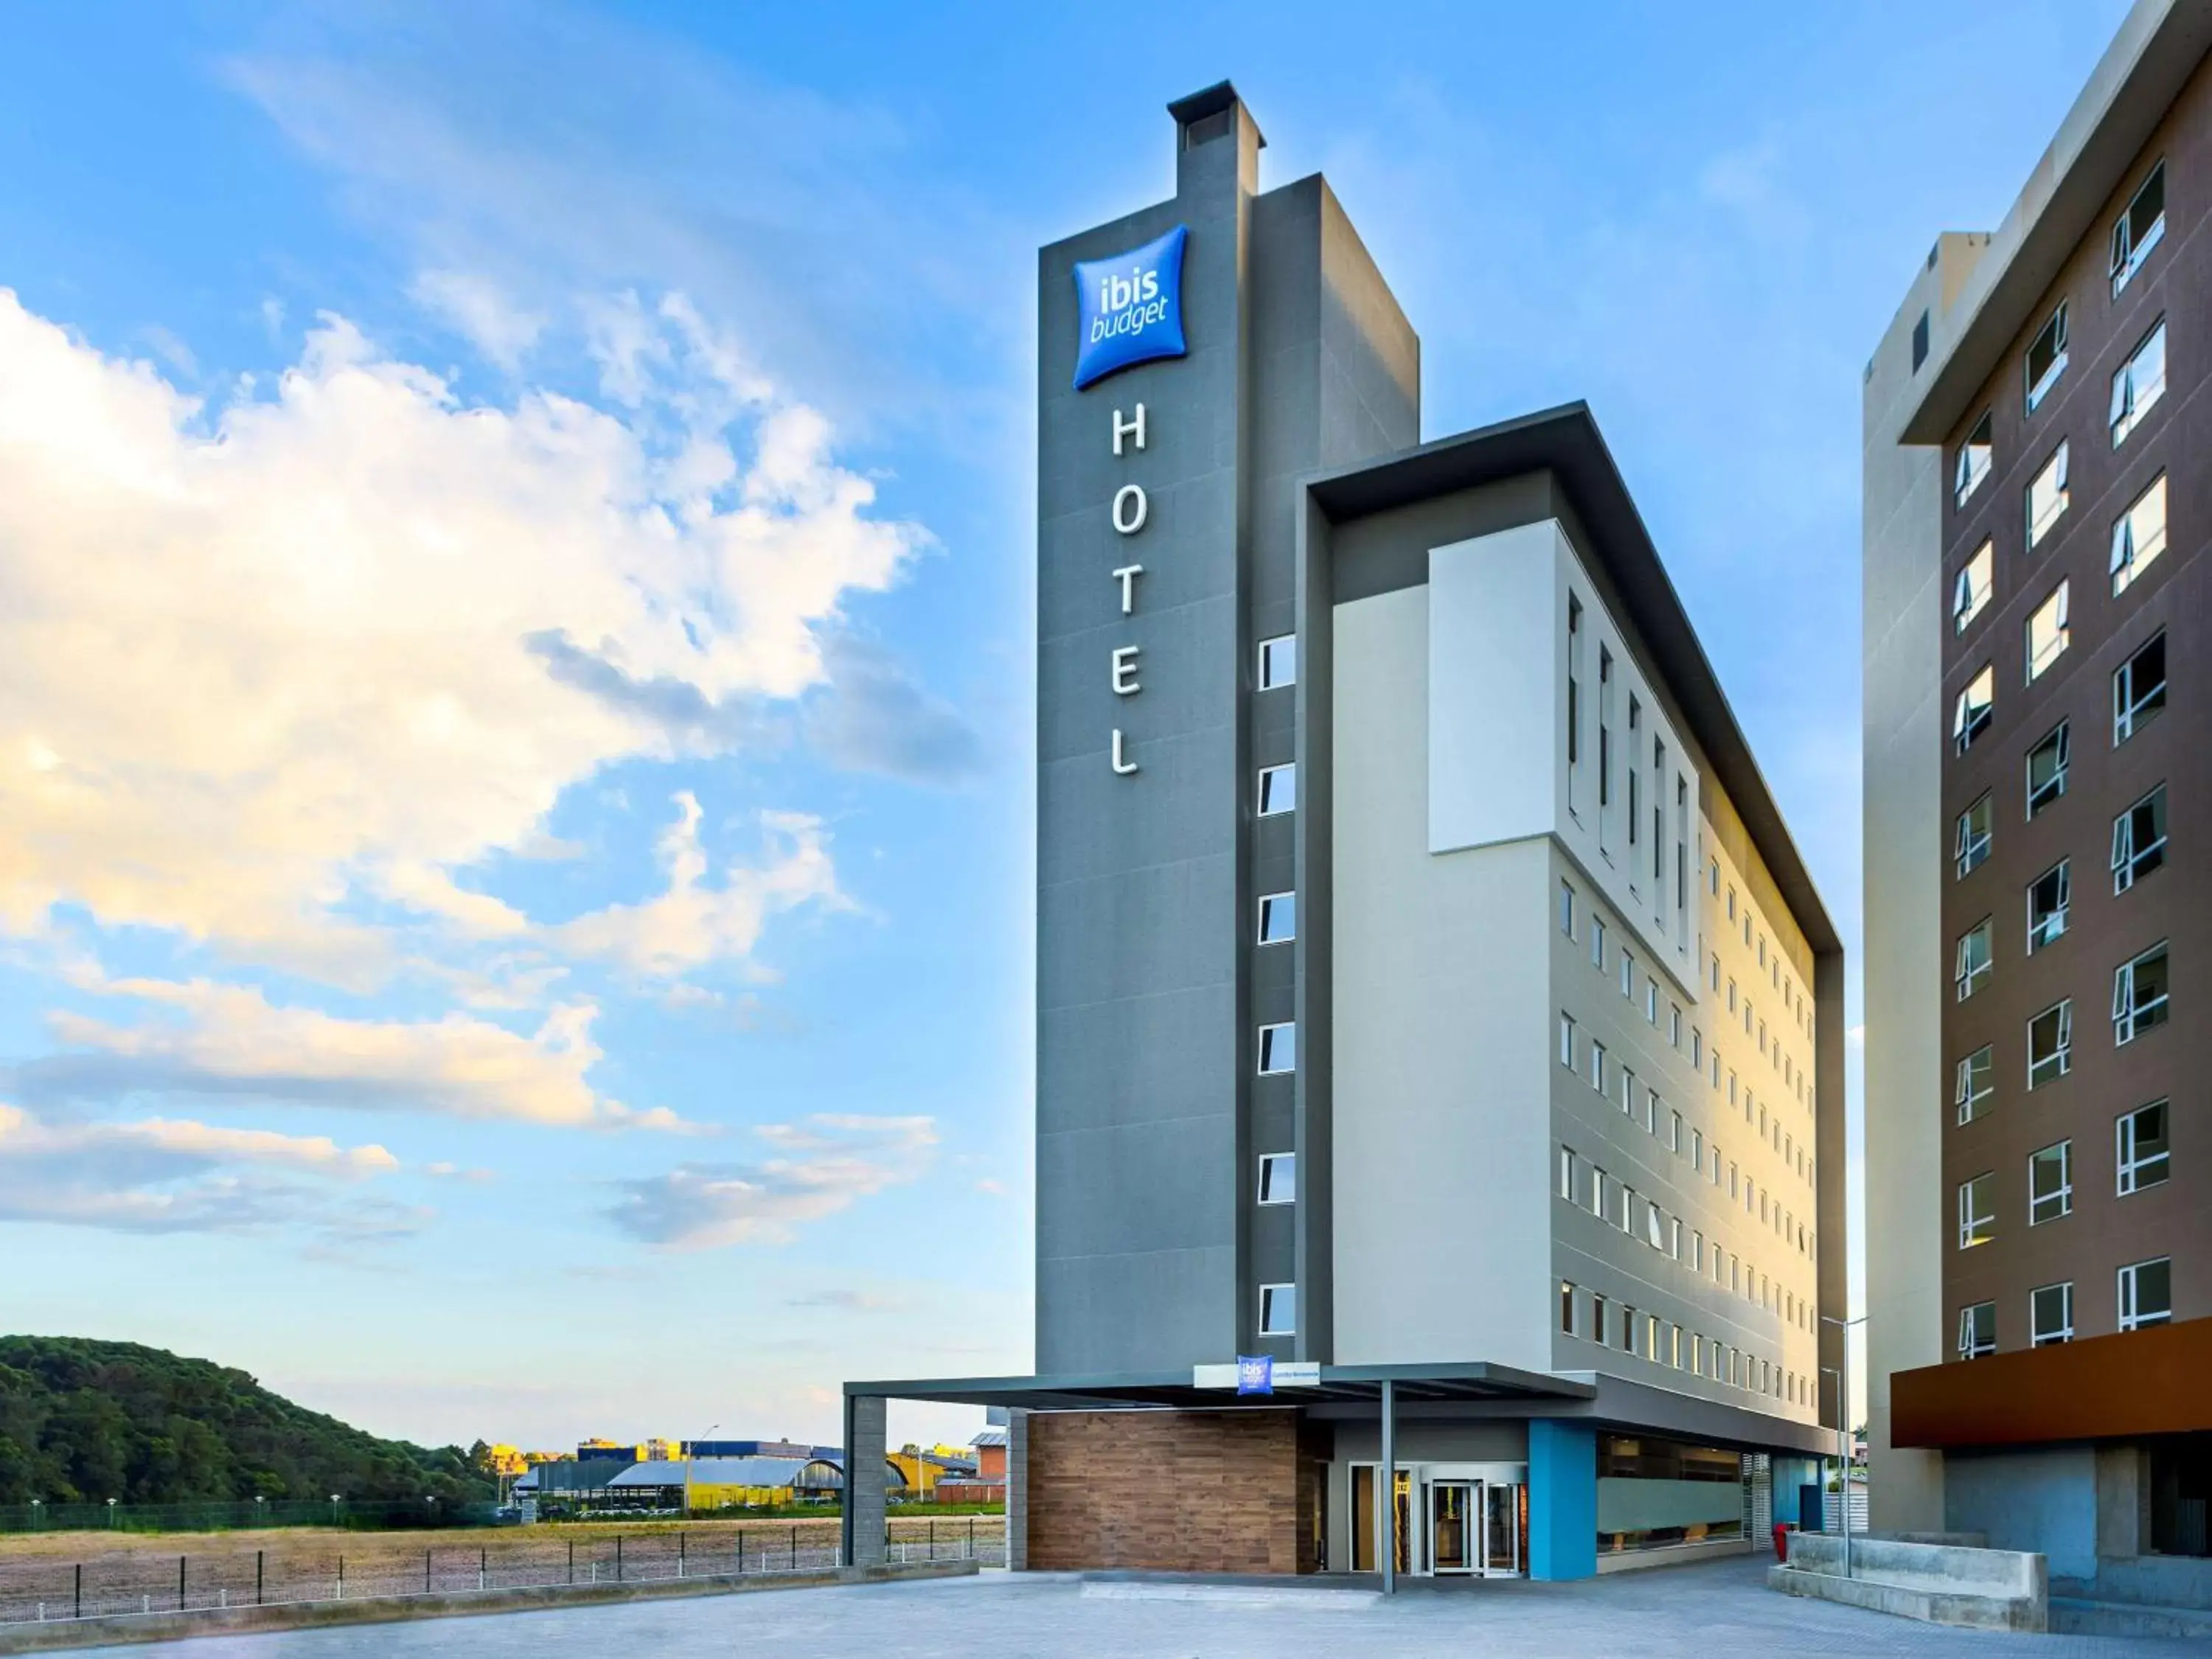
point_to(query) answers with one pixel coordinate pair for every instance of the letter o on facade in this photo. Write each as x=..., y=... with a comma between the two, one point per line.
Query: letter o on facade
x=1129, y=508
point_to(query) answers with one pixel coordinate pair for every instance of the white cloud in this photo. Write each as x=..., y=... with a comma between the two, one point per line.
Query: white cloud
x=169, y=1174
x=229, y=1040
x=264, y=665
x=705, y=1206
x=689, y=925
x=474, y=305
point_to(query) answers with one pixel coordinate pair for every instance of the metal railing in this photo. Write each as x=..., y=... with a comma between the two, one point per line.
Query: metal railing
x=143, y=1582
x=392, y=1514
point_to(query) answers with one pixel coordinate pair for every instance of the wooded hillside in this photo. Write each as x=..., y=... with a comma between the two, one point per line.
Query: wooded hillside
x=86, y=1421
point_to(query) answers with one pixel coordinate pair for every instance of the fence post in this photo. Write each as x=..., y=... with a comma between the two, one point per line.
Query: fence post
x=618, y=1558
x=794, y=1546
x=425, y=1573
x=79, y=1614
x=258, y=1561
x=971, y=1538
x=341, y=1578
x=572, y=1560
x=484, y=1564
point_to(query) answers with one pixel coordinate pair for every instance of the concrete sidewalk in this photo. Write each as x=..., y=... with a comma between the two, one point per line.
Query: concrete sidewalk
x=1720, y=1607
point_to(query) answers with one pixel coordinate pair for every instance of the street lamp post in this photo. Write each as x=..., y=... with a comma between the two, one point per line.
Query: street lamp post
x=335, y=1501
x=1844, y=1432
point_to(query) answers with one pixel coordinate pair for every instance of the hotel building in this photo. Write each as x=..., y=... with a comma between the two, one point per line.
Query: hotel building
x=2039, y=1238
x=1438, y=1029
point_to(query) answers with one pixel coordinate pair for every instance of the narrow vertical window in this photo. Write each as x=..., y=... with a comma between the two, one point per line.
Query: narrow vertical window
x=1279, y=661
x=2139, y=536
x=1279, y=918
x=1279, y=789
x=1279, y=1177
x=1278, y=1048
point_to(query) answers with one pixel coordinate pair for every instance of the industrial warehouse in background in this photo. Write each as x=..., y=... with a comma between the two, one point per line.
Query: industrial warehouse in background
x=1440, y=1041
x=2039, y=784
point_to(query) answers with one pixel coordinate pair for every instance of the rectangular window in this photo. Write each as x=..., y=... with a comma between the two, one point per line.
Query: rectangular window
x=2051, y=1315
x=1597, y=1191
x=1697, y=1049
x=1972, y=462
x=2140, y=228
x=2139, y=840
x=1628, y=974
x=2047, y=497
x=1597, y=1066
x=1971, y=961
x=1697, y=1149
x=1604, y=732
x=2144, y=1155
x=2047, y=898
x=1971, y=844
x=1597, y=1319
x=1567, y=1041
x=1696, y=1252
x=1279, y=661
x=1651, y=1001
x=1978, y=1212
x=1567, y=908
x=1971, y=713
x=1567, y=1308
x=1977, y=1330
x=1973, y=1083
x=2046, y=768
x=1971, y=587
x=2147, y=1294
x=2139, y=995
x=1597, y=942
x=2138, y=383
x=1279, y=1309
x=1675, y=1132
x=2049, y=631
x=1279, y=789
x=1673, y=1025
x=1279, y=918
x=1627, y=1092
x=1654, y=1229
x=1570, y=1174
x=1627, y=1220
x=1278, y=1048
x=2046, y=358
x=1278, y=1178
x=2139, y=689
x=2051, y=1044
x=2139, y=536
x=2051, y=1183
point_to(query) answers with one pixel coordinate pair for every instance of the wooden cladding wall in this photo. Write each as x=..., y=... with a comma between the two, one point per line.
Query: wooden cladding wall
x=1169, y=1491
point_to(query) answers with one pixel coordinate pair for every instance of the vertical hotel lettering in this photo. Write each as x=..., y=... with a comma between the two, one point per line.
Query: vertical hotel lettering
x=1130, y=310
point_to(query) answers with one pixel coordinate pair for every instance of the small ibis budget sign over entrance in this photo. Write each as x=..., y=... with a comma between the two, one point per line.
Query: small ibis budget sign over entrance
x=1129, y=308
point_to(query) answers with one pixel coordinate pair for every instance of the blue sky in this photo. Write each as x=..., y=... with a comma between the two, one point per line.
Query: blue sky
x=516, y=610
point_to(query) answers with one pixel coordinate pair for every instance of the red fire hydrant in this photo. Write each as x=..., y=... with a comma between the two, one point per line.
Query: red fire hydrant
x=1781, y=1531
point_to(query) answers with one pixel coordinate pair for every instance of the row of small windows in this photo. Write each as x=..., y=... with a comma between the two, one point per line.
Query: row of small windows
x=2139, y=1005
x=1588, y=1315
x=2138, y=849
x=2143, y=1158
x=2138, y=537
x=1617, y=1204
x=2138, y=382
x=1635, y=809
x=1796, y=1079
x=1277, y=925
x=2142, y=1297
x=1616, y=1081
x=2138, y=698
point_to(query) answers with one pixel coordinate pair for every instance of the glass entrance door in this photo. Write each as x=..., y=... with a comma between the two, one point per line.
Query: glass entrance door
x=1503, y=1512
x=1453, y=1526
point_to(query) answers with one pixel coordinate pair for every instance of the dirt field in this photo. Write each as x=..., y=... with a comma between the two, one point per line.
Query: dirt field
x=65, y=1574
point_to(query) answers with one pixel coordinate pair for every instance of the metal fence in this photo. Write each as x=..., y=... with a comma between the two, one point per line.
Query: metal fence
x=144, y=1581
x=371, y=1516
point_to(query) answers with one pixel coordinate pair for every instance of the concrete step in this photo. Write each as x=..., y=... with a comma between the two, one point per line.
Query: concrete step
x=2075, y=1615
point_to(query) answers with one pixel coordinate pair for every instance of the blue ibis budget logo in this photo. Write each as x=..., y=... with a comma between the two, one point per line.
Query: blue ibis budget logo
x=1130, y=308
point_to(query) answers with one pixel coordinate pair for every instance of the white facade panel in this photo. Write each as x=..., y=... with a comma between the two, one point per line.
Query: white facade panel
x=1441, y=1135
x=1501, y=659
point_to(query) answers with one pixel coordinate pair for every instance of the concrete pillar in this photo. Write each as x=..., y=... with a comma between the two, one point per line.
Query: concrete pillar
x=864, y=1517
x=1017, y=1491
x=1562, y=1499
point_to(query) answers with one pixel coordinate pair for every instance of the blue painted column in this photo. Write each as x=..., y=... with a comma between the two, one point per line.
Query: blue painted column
x=1562, y=1499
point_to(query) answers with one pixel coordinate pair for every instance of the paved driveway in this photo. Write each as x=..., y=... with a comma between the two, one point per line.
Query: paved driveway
x=1709, y=1611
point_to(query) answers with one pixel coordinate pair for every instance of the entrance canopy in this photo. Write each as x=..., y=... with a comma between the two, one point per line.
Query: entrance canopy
x=1468, y=1382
